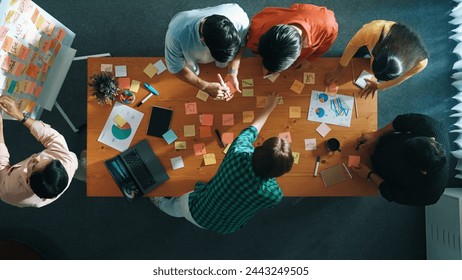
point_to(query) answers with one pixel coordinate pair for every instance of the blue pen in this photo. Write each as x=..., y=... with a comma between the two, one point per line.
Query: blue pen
x=152, y=91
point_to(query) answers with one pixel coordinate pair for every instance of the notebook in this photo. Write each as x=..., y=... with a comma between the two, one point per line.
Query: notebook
x=335, y=174
x=137, y=171
x=159, y=123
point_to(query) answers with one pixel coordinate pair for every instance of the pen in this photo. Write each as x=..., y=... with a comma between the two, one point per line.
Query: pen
x=219, y=138
x=151, y=93
x=318, y=159
x=222, y=83
x=348, y=171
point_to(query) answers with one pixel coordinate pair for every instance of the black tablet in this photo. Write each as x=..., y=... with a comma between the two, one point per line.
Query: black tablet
x=159, y=123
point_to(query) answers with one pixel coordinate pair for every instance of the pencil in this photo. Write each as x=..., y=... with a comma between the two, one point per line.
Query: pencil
x=356, y=106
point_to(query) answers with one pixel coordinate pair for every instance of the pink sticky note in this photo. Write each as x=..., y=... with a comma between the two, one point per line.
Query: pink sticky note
x=286, y=135
x=207, y=119
x=228, y=119
x=190, y=108
x=227, y=137
x=199, y=149
x=353, y=160
x=205, y=131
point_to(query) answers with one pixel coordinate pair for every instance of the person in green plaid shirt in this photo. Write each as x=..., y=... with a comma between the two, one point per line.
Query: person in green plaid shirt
x=243, y=184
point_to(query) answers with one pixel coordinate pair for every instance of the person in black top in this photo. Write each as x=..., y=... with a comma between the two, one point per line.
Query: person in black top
x=410, y=161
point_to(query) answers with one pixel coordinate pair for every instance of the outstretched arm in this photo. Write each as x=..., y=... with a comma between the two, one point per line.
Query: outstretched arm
x=260, y=119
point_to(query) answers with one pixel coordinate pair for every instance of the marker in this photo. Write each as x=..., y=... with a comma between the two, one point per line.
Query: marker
x=219, y=138
x=348, y=171
x=152, y=92
x=318, y=159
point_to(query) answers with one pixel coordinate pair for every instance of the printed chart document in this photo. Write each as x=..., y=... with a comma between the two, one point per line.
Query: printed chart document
x=120, y=127
x=336, y=109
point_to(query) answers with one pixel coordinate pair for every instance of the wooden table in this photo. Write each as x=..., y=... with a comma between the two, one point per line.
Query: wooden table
x=175, y=93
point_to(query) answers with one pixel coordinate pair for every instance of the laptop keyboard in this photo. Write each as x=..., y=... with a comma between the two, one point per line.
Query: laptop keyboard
x=139, y=169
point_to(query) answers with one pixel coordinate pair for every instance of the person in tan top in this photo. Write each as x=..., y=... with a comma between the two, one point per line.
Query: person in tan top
x=43, y=177
x=397, y=53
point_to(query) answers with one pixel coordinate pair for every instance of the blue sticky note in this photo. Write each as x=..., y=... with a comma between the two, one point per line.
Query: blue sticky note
x=177, y=162
x=169, y=136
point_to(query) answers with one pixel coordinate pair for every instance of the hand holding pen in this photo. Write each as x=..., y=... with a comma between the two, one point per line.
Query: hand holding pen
x=226, y=95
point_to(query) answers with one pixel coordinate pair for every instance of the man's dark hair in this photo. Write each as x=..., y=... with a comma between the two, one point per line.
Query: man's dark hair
x=273, y=158
x=397, y=52
x=221, y=37
x=425, y=153
x=280, y=47
x=49, y=182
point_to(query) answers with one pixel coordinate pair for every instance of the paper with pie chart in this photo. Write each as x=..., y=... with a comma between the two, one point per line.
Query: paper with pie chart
x=330, y=109
x=120, y=127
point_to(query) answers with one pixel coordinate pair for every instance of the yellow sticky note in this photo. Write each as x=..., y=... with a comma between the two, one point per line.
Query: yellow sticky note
x=247, y=116
x=106, y=67
x=309, y=78
x=189, y=130
x=180, y=145
x=272, y=77
x=202, y=95
x=247, y=92
x=280, y=100
x=261, y=101
x=297, y=86
x=135, y=86
x=296, y=157
x=295, y=112
x=119, y=121
x=209, y=159
x=150, y=70
x=247, y=83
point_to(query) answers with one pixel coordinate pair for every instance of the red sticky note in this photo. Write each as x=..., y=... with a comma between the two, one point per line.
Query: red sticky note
x=124, y=82
x=199, y=149
x=207, y=119
x=205, y=131
x=227, y=137
x=353, y=160
x=228, y=119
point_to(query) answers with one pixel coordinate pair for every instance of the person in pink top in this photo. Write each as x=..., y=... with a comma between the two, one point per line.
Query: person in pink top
x=397, y=53
x=43, y=177
x=291, y=36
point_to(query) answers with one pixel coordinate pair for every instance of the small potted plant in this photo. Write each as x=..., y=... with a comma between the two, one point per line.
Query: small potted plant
x=105, y=87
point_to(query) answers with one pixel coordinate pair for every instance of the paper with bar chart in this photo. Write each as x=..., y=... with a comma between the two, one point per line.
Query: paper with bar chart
x=120, y=127
x=330, y=109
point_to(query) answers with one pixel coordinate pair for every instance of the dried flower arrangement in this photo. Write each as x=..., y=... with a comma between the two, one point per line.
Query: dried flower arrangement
x=104, y=87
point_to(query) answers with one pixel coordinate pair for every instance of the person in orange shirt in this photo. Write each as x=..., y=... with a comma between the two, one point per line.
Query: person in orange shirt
x=397, y=53
x=291, y=36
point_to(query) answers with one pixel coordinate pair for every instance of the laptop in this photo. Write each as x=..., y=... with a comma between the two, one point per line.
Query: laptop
x=136, y=171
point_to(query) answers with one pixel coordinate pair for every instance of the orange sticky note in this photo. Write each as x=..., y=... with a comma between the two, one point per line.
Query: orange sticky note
x=205, y=131
x=199, y=149
x=247, y=116
x=190, y=108
x=227, y=138
x=207, y=119
x=228, y=119
x=353, y=160
x=286, y=135
x=124, y=82
x=297, y=86
x=33, y=71
x=261, y=101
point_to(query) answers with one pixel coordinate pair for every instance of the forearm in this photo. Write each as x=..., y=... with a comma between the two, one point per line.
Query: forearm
x=235, y=63
x=376, y=179
x=384, y=130
x=261, y=118
x=187, y=76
